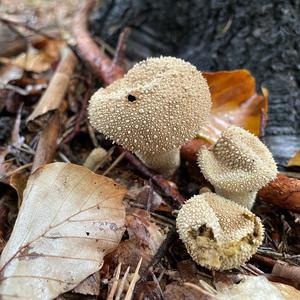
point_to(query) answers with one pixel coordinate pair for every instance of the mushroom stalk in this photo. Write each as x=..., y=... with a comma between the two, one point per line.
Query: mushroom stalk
x=246, y=199
x=164, y=163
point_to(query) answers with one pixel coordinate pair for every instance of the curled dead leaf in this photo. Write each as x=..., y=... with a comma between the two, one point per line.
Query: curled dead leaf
x=234, y=101
x=69, y=220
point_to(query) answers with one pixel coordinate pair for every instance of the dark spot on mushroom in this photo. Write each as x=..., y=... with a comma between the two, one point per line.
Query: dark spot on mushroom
x=87, y=233
x=131, y=98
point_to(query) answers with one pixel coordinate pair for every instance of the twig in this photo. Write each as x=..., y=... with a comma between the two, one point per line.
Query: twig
x=17, y=170
x=9, y=22
x=121, y=285
x=101, y=64
x=161, y=251
x=133, y=281
x=159, y=180
x=200, y=290
x=115, y=283
x=120, y=51
x=118, y=159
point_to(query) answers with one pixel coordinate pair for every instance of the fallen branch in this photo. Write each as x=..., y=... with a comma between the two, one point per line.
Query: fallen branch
x=100, y=63
x=283, y=192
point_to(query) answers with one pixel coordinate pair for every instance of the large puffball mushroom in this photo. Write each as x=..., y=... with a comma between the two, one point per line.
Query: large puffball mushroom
x=238, y=165
x=160, y=104
x=219, y=234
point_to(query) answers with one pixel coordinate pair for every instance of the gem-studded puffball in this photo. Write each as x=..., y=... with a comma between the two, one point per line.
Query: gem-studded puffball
x=159, y=105
x=218, y=233
x=239, y=162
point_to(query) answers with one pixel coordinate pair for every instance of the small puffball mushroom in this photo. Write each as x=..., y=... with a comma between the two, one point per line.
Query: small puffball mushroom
x=160, y=104
x=238, y=165
x=218, y=233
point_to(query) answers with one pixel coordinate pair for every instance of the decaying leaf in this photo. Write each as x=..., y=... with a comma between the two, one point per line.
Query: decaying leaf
x=235, y=101
x=69, y=220
x=295, y=160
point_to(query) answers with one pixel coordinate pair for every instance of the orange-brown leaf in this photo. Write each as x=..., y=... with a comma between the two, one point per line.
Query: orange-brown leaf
x=235, y=101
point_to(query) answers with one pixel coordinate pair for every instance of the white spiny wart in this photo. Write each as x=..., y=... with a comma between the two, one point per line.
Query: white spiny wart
x=238, y=165
x=160, y=104
x=219, y=234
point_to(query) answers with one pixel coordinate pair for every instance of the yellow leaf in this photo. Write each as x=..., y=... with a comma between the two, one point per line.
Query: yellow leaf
x=69, y=220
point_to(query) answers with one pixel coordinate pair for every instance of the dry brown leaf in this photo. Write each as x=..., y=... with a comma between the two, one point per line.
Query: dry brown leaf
x=69, y=220
x=295, y=160
x=235, y=101
x=37, y=60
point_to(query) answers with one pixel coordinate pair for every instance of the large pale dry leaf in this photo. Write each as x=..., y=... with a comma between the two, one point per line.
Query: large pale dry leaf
x=69, y=220
x=256, y=288
x=235, y=101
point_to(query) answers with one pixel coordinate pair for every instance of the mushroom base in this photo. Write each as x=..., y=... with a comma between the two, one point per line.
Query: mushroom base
x=215, y=255
x=245, y=199
x=164, y=163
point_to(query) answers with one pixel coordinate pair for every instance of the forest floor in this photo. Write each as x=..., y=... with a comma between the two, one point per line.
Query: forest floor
x=49, y=68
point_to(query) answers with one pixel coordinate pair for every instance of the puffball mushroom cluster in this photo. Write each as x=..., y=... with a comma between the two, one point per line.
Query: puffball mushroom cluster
x=160, y=104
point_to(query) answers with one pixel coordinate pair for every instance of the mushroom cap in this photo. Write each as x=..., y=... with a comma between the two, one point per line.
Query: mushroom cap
x=238, y=162
x=218, y=233
x=159, y=104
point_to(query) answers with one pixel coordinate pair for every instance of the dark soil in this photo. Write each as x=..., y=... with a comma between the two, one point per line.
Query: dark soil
x=260, y=35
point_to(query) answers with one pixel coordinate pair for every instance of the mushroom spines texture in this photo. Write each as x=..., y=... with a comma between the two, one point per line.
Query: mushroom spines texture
x=218, y=233
x=159, y=104
x=239, y=162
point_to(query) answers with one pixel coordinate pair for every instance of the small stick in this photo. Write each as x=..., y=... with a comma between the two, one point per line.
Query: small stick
x=133, y=281
x=26, y=26
x=121, y=285
x=160, y=253
x=120, y=51
x=118, y=159
x=100, y=63
x=115, y=283
x=159, y=180
x=200, y=290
